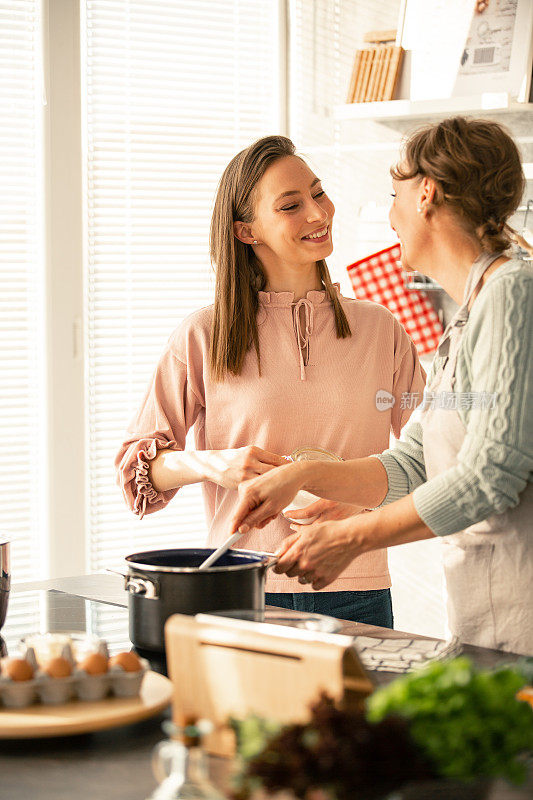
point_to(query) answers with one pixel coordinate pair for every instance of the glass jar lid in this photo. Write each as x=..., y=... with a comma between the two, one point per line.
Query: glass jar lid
x=313, y=454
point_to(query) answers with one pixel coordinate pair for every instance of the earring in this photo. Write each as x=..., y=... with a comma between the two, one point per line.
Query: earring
x=255, y=241
x=419, y=209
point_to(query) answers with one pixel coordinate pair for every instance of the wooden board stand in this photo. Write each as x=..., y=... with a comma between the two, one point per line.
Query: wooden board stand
x=223, y=667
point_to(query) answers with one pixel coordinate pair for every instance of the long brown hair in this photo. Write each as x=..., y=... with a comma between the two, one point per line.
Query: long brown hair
x=477, y=171
x=239, y=275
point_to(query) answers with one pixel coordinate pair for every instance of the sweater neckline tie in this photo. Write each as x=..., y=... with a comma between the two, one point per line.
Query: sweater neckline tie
x=303, y=339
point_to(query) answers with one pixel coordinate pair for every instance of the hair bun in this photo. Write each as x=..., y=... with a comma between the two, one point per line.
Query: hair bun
x=493, y=227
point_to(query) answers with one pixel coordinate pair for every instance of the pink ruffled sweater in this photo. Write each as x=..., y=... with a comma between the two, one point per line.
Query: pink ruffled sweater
x=314, y=390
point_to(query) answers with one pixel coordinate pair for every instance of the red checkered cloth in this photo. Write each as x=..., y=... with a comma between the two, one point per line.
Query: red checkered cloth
x=380, y=278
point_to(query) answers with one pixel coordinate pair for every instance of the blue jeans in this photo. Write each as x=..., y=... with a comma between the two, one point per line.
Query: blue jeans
x=373, y=606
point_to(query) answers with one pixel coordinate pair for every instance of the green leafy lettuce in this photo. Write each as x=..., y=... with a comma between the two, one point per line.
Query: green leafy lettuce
x=468, y=722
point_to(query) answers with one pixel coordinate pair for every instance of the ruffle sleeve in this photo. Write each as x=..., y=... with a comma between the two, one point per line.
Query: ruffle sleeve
x=134, y=480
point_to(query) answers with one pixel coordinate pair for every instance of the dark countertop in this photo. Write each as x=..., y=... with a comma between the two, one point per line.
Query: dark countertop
x=114, y=764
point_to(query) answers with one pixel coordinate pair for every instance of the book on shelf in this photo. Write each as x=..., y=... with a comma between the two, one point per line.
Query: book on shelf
x=354, y=78
x=371, y=90
x=384, y=72
x=375, y=73
x=393, y=73
x=381, y=59
x=367, y=66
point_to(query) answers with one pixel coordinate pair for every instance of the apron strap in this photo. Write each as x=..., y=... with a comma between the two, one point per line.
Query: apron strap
x=475, y=276
x=460, y=318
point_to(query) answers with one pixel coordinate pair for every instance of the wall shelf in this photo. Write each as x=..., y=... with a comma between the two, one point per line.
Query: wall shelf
x=405, y=109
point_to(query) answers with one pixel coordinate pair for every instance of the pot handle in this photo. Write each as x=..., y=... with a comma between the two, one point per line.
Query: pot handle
x=143, y=586
x=117, y=572
x=270, y=561
x=137, y=585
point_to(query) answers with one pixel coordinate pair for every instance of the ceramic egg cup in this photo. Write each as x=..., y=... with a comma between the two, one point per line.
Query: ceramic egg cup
x=127, y=684
x=92, y=687
x=55, y=691
x=18, y=694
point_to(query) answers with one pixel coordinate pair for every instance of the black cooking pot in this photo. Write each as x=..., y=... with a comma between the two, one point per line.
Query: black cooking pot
x=165, y=582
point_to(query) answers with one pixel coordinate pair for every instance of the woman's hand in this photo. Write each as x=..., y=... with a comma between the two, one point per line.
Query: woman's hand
x=318, y=553
x=230, y=468
x=263, y=498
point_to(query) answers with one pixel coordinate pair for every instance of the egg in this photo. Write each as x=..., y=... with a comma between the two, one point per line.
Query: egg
x=58, y=667
x=94, y=664
x=17, y=669
x=129, y=662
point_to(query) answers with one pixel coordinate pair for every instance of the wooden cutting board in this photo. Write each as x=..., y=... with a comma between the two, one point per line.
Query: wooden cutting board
x=78, y=716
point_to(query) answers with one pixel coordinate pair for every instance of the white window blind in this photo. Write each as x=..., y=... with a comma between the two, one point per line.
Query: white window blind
x=173, y=90
x=22, y=415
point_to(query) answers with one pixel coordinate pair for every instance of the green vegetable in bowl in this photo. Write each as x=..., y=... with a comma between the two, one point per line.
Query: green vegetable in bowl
x=468, y=722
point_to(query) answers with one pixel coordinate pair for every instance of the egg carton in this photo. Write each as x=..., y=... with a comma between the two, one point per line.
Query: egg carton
x=80, y=685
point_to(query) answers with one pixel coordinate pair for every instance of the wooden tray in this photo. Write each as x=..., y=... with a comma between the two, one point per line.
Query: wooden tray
x=79, y=716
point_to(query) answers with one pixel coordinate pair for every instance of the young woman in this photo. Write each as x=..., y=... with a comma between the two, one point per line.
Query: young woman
x=464, y=465
x=281, y=360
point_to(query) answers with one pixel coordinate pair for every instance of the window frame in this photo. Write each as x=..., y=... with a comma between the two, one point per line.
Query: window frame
x=65, y=385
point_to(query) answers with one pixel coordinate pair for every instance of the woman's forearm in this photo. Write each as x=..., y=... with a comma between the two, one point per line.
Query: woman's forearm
x=171, y=469
x=362, y=481
x=396, y=523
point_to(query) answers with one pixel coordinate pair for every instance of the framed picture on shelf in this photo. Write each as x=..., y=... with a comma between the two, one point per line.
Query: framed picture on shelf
x=458, y=48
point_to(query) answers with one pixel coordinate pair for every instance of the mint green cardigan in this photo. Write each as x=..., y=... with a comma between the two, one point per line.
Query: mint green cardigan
x=495, y=356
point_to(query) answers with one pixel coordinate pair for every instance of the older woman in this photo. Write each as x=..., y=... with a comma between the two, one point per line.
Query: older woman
x=462, y=469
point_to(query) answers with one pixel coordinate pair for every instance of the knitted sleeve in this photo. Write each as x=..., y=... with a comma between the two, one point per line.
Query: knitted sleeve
x=495, y=461
x=404, y=462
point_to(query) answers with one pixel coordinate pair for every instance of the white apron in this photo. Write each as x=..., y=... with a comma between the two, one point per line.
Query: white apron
x=489, y=566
